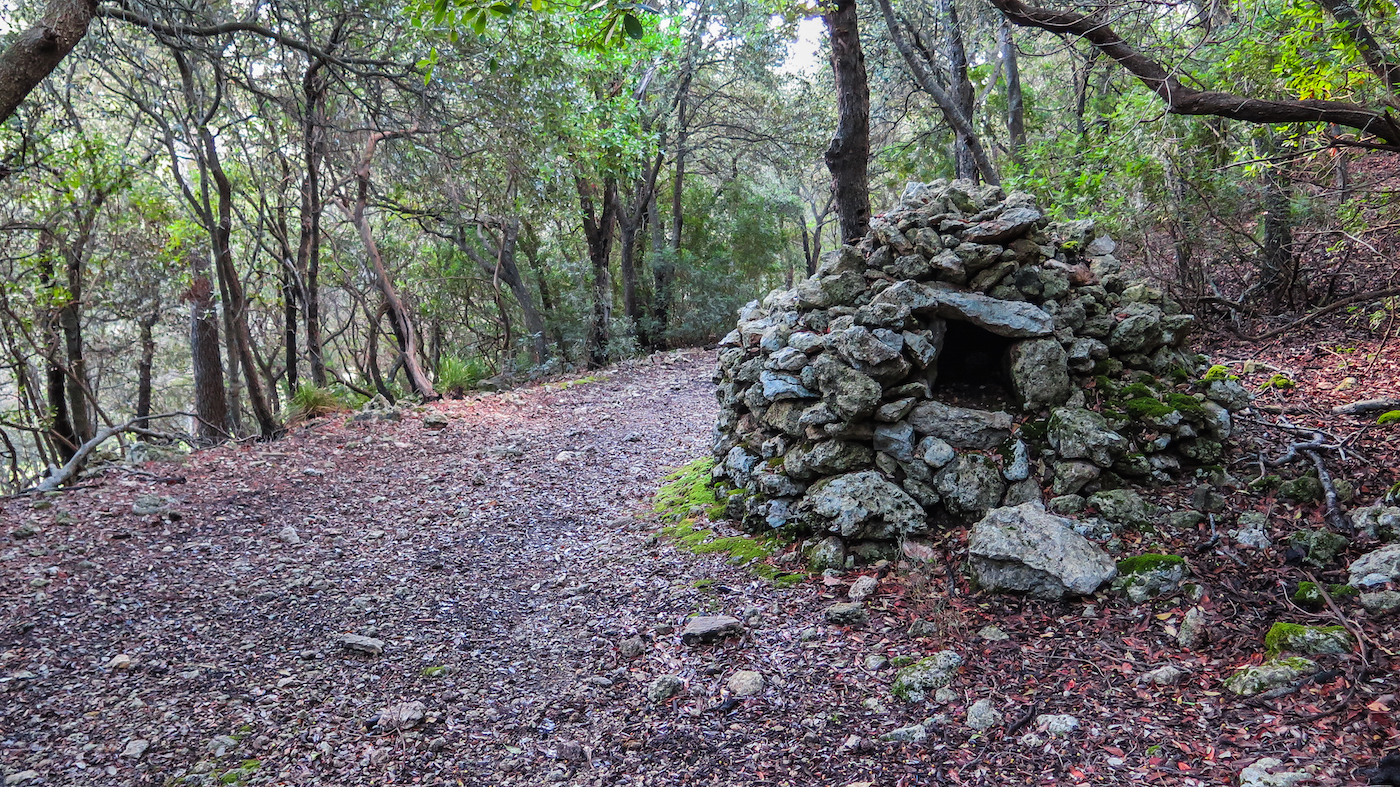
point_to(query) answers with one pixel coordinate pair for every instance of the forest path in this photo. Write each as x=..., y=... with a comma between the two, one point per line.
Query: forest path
x=482, y=548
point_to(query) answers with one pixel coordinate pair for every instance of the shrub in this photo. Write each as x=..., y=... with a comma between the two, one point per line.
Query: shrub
x=312, y=401
x=456, y=376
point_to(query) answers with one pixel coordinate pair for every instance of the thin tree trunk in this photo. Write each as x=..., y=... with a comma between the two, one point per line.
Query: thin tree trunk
x=309, y=244
x=236, y=305
x=143, y=367
x=210, y=401
x=398, y=315
x=848, y=156
x=63, y=436
x=531, y=247
x=662, y=268
x=1015, y=103
x=964, y=165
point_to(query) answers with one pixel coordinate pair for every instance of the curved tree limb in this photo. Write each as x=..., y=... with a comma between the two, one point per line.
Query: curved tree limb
x=63, y=475
x=1182, y=100
x=37, y=51
x=962, y=125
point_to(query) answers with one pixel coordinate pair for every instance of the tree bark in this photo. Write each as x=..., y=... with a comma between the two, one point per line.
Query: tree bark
x=210, y=400
x=36, y=52
x=402, y=324
x=147, y=326
x=62, y=435
x=848, y=156
x=314, y=86
x=598, y=232
x=1015, y=103
x=964, y=96
x=502, y=266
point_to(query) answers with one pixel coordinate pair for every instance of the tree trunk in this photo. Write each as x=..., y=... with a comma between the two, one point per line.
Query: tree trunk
x=598, y=231
x=503, y=267
x=398, y=315
x=64, y=438
x=236, y=305
x=1276, y=260
x=1015, y=104
x=36, y=52
x=210, y=402
x=662, y=269
x=531, y=247
x=964, y=165
x=313, y=146
x=143, y=366
x=848, y=156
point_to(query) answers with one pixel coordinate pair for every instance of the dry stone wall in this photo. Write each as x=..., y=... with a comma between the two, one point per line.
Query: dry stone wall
x=845, y=409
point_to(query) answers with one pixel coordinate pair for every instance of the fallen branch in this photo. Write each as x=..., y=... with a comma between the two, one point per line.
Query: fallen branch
x=1328, y=309
x=62, y=475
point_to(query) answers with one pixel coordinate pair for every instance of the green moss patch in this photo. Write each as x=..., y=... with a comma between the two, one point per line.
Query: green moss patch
x=1309, y=596
x=1307, y=640
x=1216, y=373
x=1389, y=418
x=1142, y=564
x=689, y=490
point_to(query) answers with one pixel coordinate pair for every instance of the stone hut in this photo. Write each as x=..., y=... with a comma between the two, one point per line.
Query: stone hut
x=966, y=354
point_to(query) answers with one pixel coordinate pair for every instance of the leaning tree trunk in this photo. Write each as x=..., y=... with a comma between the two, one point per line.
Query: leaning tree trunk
x=848, y=156
x=237, y=304
x=398, y=314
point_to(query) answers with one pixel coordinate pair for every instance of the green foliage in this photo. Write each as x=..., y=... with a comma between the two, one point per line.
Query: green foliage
x=1278, y=382
x=1141, y=564
x=455, y=376
x=1217, y=373
x=311, y=401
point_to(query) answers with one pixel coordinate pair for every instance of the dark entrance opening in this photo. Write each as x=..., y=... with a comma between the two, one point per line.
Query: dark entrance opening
x=974, y=367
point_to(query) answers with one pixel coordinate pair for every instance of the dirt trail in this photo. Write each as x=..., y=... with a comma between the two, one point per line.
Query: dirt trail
x=505, y=561
x=484, y=549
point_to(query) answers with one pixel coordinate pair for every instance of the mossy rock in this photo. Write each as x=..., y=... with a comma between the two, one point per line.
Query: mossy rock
x=1148, y=576
x=926, y=675
x=1319, y=547
x=1308, y=596
x=1307, y=640
x=1249, y=681
x=1144, y=563
x=689, y=488
x=1305, y=489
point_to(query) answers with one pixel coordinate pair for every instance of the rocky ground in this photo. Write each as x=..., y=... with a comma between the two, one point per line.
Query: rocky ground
x=504, y=579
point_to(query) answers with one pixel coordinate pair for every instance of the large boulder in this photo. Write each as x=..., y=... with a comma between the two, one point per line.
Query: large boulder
x=1014, y=319
x=1040, y=372
x=862, y=505
x=1026, y=549
x=961, y=427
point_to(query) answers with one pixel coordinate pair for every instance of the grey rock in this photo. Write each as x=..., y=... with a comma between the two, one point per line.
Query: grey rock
x=896, y=410
x=1067, y=504
x=664, y=688
x=1380, y=603
x=135, y=749
x=862, y=505
x=983, y=715
x=862, y=588
x=632, y=647
x=915, y=681
x=1378, y=521
x=22, y=777
x=896, y=439
x=845, y=613
x=1166, y=675
x=1014, y=319
x=1384, y=561
x=1252, y=531
x=1192, y=633
x=434, y=420
x=993, y=634
x=970, y=485
x=358, y=644
x=1018, y=465
x=961, y=427
x=1266, y=772
x=1011, y=224
x=1139, y=331
x=830, y=552
x=1121, y=506
x=708, y=628
x=1229, y=394
x=788, y=359
x=936, y=453
x=1027, y=490
x=1084, y=434
x=860, y=348
x=1027, y=549
x=1148, y=582
x=778, y=386
x=846, y=391
x=1321, y=547
x=745, y=683
x=922, y=349
x=152, y=505
x=401, y=716
x=911, y=734
x=1056, y=724
x=1270, y=675
x=289, y=535
x=1309, y=640
x=1040, y=372
x=827, y=457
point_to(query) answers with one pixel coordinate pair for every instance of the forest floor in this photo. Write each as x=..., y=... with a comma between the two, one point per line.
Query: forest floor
x=509, y=563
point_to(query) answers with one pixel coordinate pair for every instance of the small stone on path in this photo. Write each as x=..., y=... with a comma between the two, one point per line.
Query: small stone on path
x=289, y=535
x=119, y=661
x=1263, y=773
x=1162, y=676
x=1056, y=723
x=846, y=613
x=706, y=628
x=745, y=683
x=863, y=588
x=401, y=716
x=632, y=647
x=22, y=777
x=664, y=688
x=983, y=715
x=993, y=634
x=358, y=644
x=136, y=749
